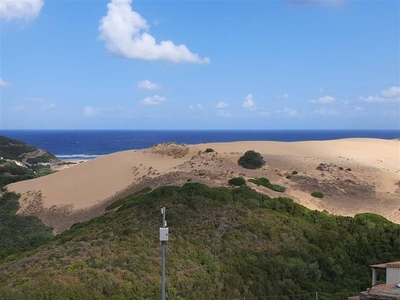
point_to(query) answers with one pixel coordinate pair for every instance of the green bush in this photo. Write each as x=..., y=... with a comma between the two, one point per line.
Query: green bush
x=251, y=160
x=317, y=194
x=209, y=150
x=237, y=181
x=348, y=169
x=295, y=172
x=265, y=182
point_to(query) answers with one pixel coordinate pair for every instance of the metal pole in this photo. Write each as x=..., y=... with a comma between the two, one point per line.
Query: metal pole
x=163, y=244
x=316, y=295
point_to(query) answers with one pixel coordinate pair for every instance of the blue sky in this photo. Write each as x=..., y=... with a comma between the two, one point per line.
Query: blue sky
x=120, y=64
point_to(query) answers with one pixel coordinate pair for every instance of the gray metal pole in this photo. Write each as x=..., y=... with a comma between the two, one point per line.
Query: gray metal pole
x=163, y=244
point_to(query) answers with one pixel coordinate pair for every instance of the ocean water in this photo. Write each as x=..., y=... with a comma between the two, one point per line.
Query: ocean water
x=88, y=144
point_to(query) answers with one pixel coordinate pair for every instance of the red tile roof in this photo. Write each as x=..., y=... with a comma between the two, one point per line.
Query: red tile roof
x=394, y=264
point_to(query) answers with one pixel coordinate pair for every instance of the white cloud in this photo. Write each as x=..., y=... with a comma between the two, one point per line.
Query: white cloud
x=323, y=100
x=90, y=111
x=196, y=107
x=222, y=105
x=148, y=85
x=20, y=108
x=392, y=92
x=248, y=102
x=284, y=96
x=122, y=30
x=4, y=83
x=224, y=113
x=325, y=112
x=155, y=100
x=20, y=9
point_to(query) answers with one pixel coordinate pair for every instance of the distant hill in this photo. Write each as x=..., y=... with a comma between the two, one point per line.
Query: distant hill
x=20, y=161
x=224, y=243
x=27, y=154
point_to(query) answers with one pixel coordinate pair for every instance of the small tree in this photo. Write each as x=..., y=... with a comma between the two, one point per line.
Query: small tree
x=209, y=150
x=237, y=181
x=251, y=160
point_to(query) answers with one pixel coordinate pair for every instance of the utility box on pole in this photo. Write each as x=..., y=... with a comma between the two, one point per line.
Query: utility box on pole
x=163, y=234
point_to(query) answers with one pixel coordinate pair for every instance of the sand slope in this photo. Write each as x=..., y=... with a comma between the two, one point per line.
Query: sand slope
x=83, y=191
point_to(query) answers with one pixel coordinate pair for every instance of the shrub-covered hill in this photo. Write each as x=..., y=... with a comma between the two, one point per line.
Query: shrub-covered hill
x=29, y=157
x=17, y=150
x=224, y=244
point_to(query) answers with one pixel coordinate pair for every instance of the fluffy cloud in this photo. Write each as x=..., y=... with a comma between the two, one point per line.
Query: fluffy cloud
x=90, y=111
x=155, y=100
x=123, y=31
x=222, y=104
x=148, y=85
x=248, y=102
x=224, y=114
x=48, y=106
x=392, y=94
x=20, y=9
x=4, y=83
x=323, y=100
x=196, y=107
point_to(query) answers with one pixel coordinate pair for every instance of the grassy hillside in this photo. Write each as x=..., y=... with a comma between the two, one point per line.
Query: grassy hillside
x=19, y=233
x=224, y=244
x=31, y=156
x=17, y=150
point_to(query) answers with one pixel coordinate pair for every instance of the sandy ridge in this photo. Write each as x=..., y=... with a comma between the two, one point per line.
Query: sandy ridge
x=82, y=191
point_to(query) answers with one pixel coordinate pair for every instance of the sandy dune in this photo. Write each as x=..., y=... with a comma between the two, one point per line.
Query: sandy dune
x=83, y=191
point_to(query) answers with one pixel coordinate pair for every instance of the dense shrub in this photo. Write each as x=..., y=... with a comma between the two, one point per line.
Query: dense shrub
x=317, y=194
x=251, y=160
x=348, y=169
x=295, y=172
x=265, y=182
x=224, y=243
x=237, y=181
x=209, y=150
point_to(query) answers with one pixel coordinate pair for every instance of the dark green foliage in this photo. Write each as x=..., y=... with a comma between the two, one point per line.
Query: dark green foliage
x=19, y=233
x=265, y=182
x=348, y=169
x=126, y=199
x=237, y=181
x=251, y=160
x=295, y=172
x=10, y=172
x=12, y=149
x=209, y=150
x=317, y=194
x=45, y=158
x=224, y=244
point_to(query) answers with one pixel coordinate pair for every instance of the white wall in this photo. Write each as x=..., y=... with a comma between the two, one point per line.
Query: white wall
x=392, y=275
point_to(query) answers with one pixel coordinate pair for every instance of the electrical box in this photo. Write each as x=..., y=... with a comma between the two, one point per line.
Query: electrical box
x=163, y=234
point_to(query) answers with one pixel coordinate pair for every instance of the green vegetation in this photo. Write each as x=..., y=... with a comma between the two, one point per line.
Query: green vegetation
x=348, y=169
x=122, y=201
x=295, y=172
x=317, y=194
x=44, y=158
x=12, y=149
x=19, y=233
x=10, y=172
x=209, y=150
x=44, y=171
x=251, y=160
x=265, y=182
x=237, y=181
x=224, y=243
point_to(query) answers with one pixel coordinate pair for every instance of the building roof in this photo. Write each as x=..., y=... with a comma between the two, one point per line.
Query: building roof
x=393, y=264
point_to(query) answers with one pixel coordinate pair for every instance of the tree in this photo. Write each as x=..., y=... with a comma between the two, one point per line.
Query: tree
x=251, y=160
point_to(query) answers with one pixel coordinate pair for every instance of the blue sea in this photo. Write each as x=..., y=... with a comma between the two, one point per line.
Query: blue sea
x=88, y=144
